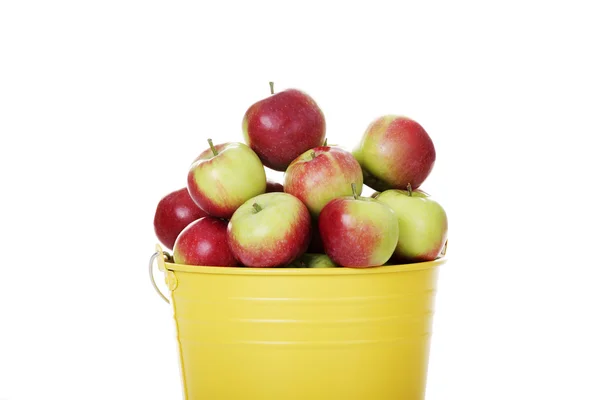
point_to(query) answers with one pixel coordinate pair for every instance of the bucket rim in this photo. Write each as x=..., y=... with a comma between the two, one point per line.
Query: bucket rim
x=384, y=269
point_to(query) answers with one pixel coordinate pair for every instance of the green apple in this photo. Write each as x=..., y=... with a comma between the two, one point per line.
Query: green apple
x=422, y=223
x=313, y=260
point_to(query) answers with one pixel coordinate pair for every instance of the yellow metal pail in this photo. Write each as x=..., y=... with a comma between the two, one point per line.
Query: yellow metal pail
x=302, y=333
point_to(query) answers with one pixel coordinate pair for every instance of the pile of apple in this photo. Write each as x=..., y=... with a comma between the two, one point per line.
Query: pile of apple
x=230, y=215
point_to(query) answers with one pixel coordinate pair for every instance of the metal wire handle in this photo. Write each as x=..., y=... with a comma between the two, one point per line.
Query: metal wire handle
x=151, y=270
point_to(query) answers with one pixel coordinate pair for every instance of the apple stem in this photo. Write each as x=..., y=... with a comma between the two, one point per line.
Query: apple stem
x=354, y=191
x=257, y=207
x=325, y=142
x=212, y=147
x=272, y=84
x=313, y=155
x=409, y=188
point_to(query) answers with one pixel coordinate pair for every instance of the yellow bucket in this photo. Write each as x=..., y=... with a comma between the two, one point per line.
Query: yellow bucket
x=302, y=333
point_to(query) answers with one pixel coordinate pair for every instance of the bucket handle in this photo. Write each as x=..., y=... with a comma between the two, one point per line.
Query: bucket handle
x=151, y=271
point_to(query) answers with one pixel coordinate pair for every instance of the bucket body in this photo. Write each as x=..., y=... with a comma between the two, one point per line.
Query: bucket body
x=303, y=333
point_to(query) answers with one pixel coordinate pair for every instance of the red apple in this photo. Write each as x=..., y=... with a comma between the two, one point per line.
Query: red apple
x=320, y=175
x=224, y=176
x=273, y=186
x=316, y=244
x=358, y=232
x=395, y=151
x=281, y=127
x=269, y=230
x=173, y=213
x=204, y=242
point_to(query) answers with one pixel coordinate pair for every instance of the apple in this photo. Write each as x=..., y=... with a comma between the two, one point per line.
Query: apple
x=173, y=213
x=393, y=152
x=419, y=192
x=320, y=175
x=224, y=176
x=313, y=260
x=269, y=230
x=204, y=242
x=358, y=231
x=273, y=186
x=281, y=127
x=316, y=244
x=422, y=222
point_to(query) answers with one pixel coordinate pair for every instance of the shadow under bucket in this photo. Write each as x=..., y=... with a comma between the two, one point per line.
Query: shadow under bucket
x=302, y=333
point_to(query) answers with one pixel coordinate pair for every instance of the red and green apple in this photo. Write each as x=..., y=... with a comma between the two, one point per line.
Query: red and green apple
x=358, y=231
x=320, y=175
x=224, y=176
x=269, y=230
x=395, y=151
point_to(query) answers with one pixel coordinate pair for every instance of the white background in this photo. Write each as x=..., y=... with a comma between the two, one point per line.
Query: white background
x=104, y=104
